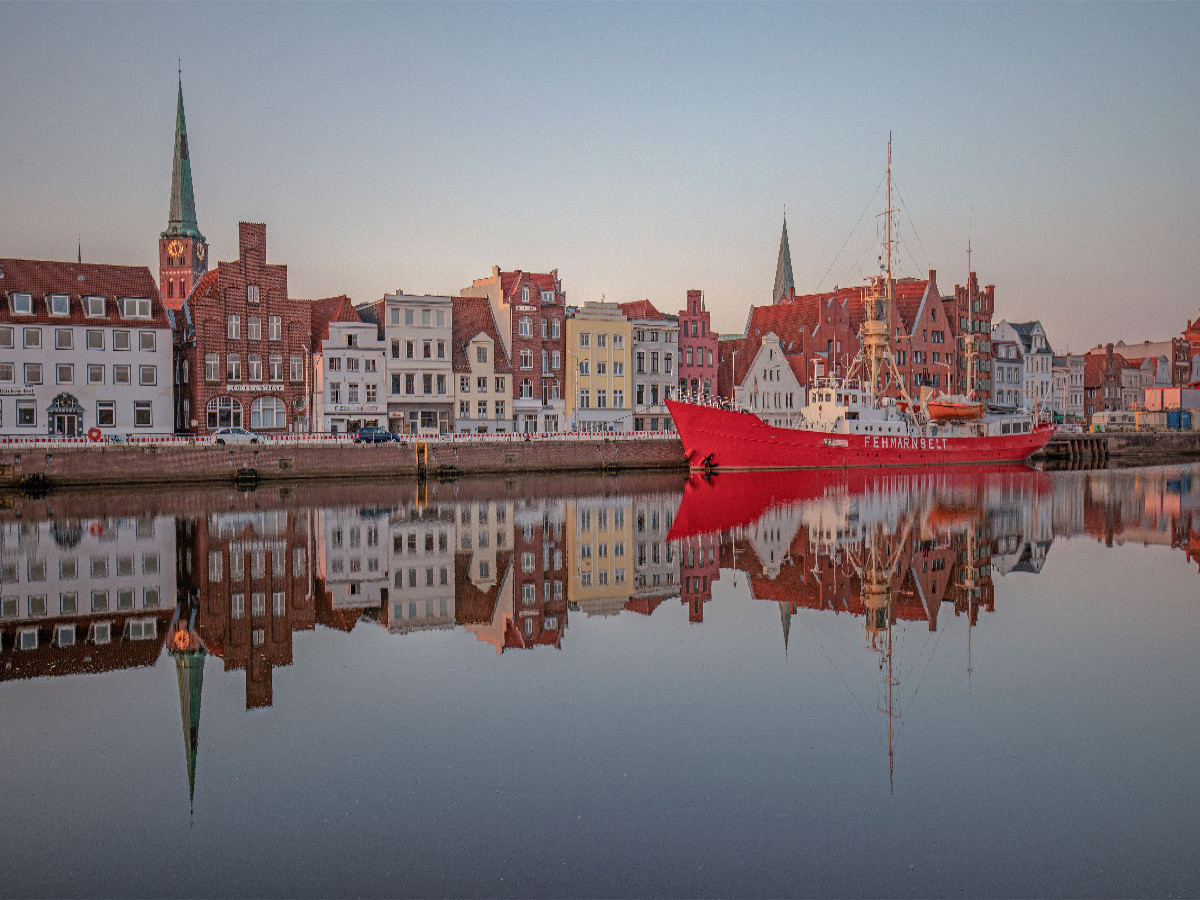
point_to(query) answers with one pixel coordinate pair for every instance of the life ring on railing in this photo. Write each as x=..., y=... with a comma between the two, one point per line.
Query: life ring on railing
x=94, y=434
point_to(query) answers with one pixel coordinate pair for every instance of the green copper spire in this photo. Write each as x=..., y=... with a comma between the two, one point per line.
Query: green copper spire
x=181, y=219
x=783, y=268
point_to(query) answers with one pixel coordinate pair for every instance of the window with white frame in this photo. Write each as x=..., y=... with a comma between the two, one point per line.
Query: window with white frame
x=147, y=375
x=32, y=338
x=94, y=306
x=274, y=328
x=106, y=415
x=135, y=307
x=120, y=340
x=268, y=412
x=233, y=327
x=143, y=416
x=22, y=304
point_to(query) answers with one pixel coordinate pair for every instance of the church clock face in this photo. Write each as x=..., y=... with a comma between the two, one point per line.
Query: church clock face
x=175, y=248
x=200, y=251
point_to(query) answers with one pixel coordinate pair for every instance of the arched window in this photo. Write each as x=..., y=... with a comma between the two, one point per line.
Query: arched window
x=526, y=358
x=224, y=412
x=170, y=288
x=525, y=326
x=268, y=412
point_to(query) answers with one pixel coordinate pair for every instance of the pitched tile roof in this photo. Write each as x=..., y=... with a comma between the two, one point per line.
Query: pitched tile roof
x=77, y=280
x=746, y=349
x=470, y=316
x=330, y=309
x=640, y=309
x=510, y=281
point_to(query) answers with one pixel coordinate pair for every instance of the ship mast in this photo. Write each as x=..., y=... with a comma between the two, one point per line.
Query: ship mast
x=875, y=331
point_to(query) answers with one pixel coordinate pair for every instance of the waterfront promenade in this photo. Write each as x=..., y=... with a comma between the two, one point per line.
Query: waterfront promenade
x=63, y=462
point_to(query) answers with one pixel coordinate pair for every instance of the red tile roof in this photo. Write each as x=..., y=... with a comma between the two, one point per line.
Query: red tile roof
x=472, y=315
x=640, y=309
x=727, y=376
x=77, y=280
x=510, y=281
x=330, y=309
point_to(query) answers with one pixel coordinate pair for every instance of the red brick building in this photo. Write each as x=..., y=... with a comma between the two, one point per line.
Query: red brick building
x=698, y=356
x=182, y=250
x=820, y=332
x=244, y=346
x=530, y=313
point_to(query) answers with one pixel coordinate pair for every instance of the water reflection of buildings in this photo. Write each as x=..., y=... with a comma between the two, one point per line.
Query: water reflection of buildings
x=84, y=595
x=95, y=593
x=249, y=574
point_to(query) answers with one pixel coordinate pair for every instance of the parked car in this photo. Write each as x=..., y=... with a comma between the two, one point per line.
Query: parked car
x=373, y=434
x=234, y=436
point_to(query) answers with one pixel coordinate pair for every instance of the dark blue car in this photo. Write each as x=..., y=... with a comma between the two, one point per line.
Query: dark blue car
x=373, y=434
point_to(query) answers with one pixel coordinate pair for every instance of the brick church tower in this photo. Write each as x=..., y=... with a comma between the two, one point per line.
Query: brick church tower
x=182, y=250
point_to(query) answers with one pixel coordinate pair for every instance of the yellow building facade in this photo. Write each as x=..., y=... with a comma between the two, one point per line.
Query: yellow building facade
x=599, y=342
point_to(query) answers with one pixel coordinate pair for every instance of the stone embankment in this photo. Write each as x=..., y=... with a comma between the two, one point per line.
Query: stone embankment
x=1132, y=448
x=176, y=461
x=180, y=461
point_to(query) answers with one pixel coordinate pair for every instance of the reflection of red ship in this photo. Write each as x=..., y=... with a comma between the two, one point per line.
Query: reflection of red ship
x=732, y=499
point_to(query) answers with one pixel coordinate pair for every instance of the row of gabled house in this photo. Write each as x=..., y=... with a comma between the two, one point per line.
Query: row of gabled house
x=102, y=350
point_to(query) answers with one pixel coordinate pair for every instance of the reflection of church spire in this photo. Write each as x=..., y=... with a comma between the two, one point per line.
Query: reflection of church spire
x=184, y=645
x=785, y=619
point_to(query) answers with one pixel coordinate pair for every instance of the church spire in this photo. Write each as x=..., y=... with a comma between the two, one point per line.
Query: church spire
x=783, y=268
x=181, y=219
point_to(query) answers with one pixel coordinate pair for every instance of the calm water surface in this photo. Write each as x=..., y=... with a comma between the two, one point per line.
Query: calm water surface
x=884, y=683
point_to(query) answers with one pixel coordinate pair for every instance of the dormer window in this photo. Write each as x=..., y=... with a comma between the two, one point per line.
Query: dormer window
x=547, y=296
x=135, y=307
x=22, y=304
x=94, y=306
x=59, y=304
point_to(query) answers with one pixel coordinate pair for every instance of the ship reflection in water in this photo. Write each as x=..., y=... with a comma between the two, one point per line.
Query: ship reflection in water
x=223, y=580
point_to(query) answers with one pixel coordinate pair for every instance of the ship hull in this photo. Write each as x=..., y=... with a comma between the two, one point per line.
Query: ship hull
x=735, y=441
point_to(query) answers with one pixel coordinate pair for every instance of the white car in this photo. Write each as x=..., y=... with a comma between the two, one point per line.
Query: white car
x=234, y=436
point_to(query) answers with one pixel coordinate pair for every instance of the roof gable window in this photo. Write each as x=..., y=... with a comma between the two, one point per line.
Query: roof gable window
x=135, y=307
x=58, y=304
x=94, y=306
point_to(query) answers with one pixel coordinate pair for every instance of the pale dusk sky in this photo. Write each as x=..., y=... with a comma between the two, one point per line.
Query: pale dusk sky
x=640, y=149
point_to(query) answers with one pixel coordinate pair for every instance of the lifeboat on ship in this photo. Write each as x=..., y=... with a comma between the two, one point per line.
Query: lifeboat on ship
x=953, y=408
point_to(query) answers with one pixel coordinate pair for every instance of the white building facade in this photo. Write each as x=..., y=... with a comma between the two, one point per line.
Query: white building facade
x=771, y=388
x=1036, y=360
x=418, y=332
x=350, y=379
x=85, y=349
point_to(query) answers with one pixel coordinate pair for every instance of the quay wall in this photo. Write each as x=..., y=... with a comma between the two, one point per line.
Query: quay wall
x=68, y=465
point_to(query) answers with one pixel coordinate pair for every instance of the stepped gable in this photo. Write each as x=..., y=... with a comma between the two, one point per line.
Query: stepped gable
x=77, y=280
x=727, y=376
x=470, y=317
x=640, y=309
x=330, y=309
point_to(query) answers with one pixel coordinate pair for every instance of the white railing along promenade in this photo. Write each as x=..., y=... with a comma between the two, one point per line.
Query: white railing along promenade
x=322, y=439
